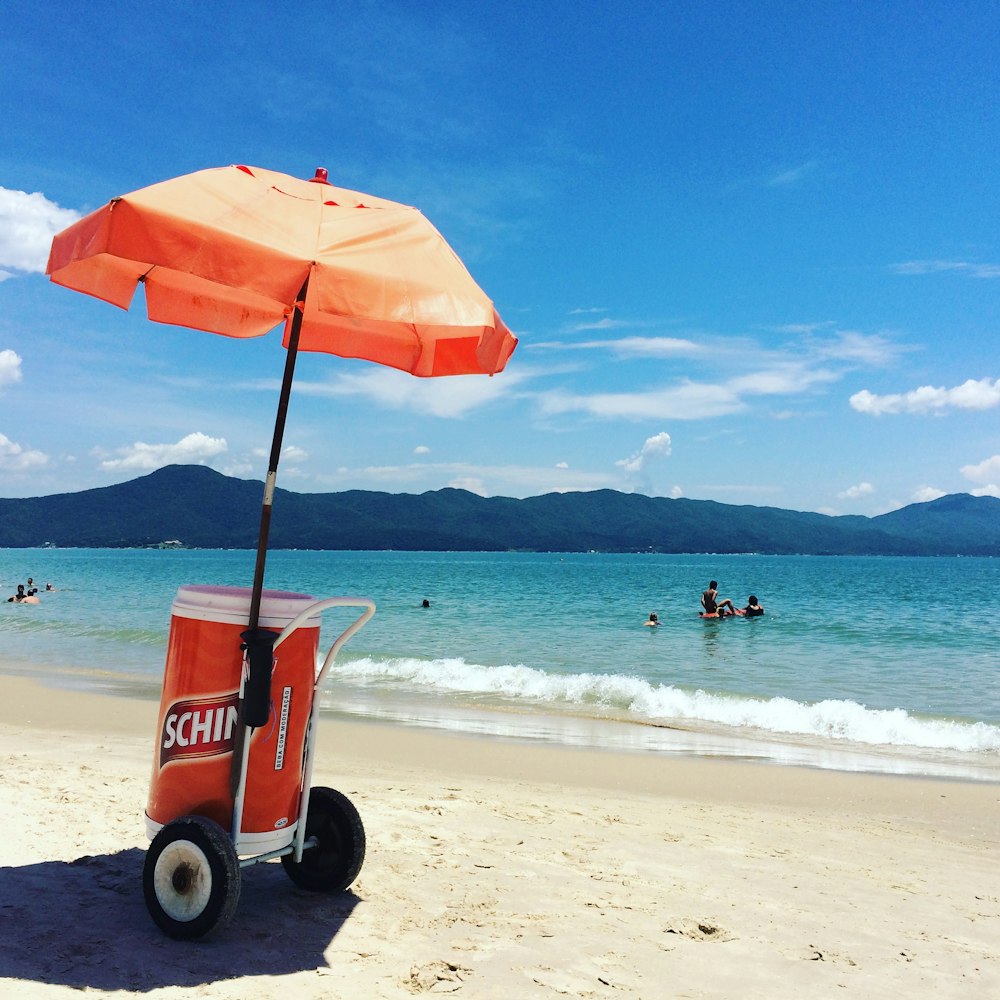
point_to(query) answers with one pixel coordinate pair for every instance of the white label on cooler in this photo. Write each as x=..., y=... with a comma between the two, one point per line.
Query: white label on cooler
x=279, y=755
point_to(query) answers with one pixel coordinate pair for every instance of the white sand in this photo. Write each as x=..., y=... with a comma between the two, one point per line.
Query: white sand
x=502, y=870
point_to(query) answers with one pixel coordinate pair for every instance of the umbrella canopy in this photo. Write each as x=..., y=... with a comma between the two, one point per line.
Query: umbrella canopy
x=230, y=250
x=238, y=250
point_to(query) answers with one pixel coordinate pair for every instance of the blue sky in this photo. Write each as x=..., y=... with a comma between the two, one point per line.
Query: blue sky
x=751, y=250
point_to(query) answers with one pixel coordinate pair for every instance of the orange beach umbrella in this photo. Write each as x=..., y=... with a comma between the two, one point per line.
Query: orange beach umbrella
x=238, y=250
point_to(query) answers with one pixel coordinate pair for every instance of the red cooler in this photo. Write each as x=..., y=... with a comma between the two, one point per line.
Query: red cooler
x=198, y=715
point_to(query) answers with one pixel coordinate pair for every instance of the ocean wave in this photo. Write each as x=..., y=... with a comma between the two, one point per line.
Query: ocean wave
x=834, y=719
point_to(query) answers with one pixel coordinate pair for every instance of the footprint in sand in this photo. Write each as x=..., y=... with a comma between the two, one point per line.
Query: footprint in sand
x=698, y=930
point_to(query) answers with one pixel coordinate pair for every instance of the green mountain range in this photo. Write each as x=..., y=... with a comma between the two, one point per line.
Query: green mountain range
x=201, y=508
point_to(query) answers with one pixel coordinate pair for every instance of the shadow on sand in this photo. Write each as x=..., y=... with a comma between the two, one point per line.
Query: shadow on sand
x=84, y=924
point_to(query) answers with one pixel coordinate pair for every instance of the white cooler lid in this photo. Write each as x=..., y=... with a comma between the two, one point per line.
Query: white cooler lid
x=232, y=605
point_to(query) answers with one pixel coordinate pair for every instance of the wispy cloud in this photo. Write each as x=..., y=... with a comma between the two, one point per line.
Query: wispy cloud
x=793, y=175
x=712, y=488
x=801, y=368
x=688, y=401
x=442, y=397
x=27, y=224
x=599, y=324
x=981, y=394
x=874, y=350
x=807, y=328
x=939, y=266
x=487, y=480
x=630, y=347
x=923, y=494
x=781, y=380
x=291, y=454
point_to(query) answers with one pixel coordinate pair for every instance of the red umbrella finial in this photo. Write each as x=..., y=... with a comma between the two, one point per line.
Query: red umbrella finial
x=322, y=176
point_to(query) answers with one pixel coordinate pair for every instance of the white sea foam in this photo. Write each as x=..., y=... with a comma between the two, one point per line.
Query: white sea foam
x=838, y=720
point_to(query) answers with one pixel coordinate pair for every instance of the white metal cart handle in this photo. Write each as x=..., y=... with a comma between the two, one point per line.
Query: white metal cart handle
x=314, y=609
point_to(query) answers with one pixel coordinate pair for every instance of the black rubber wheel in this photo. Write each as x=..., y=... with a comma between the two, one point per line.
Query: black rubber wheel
x=191, y=878
x=333, y=864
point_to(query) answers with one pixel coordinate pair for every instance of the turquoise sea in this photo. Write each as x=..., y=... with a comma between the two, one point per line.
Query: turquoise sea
x=860, y=663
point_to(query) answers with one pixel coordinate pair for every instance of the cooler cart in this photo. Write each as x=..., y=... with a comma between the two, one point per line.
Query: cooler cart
x=234, y=757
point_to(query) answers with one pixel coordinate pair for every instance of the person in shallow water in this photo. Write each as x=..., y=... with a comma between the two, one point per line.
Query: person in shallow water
x=711, y=603
x=653, y=620
x=753, y=609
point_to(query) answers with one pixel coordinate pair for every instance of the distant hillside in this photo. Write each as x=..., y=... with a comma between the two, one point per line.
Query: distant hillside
x=204, y=509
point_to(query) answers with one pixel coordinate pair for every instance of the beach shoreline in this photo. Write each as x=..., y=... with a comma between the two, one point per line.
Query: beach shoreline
x=563, y=726
x=504, y=868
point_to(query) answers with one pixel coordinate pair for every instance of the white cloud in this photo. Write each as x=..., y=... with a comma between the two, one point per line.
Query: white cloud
x=991, y=490
x=488, y=480
x=780, y=380
x=676, y=492
x=10, y=368
x=599, y=324
x=194, y=448
x=868, y=349
x=939, y=266
x=649, y=347
x=292, y=453
x=27, y=224
x=657, y=446
x=987, y=471
x=793, y=175
x=562, y=465
x=855, y=492
x=630, y=347
x=807, y=328
x=421, y=449
x=981, y=394
x=15, y=458
x=441, y=397
x=470, y=483
x=238, y=470
x=759, y=488
x=653, y=449
x=688, y=401
x=691, y=400
x=923, y=494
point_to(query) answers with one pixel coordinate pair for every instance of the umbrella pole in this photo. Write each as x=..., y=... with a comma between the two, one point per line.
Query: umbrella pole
x=272, y=467
x=254, y=703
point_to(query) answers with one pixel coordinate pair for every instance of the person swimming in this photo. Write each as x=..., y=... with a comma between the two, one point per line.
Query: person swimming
x=753, y=609
x=653, y=620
